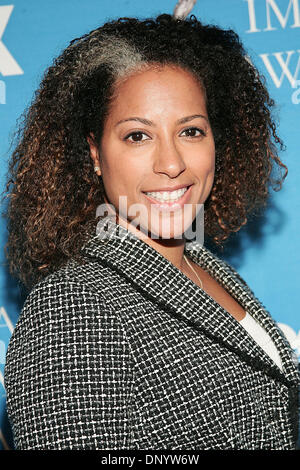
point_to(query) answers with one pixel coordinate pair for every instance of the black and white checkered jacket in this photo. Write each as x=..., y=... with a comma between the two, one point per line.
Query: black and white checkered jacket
x=126, y=352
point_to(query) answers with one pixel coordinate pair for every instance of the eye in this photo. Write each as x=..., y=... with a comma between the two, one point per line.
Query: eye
x=137, y=137
x=193, y=132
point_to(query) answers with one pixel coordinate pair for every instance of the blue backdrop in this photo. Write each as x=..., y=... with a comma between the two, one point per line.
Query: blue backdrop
x=265, y=252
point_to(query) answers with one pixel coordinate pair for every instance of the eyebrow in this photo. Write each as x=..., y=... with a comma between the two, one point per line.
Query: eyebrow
x=150, y=123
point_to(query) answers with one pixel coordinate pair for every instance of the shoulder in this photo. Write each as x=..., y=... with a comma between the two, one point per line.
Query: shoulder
x=67, y=357
x=61, y=316
x=59, y=296
x=73, y=285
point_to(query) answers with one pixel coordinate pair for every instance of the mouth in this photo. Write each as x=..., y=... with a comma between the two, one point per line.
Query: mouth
x=169, y=199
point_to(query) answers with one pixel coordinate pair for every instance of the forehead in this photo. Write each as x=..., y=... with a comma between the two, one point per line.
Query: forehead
x=158, y=86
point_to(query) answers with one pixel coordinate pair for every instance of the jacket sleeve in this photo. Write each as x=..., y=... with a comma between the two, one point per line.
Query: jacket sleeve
x=68, y=374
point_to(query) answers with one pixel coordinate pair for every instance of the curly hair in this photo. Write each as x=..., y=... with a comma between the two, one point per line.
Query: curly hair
x=55, y=191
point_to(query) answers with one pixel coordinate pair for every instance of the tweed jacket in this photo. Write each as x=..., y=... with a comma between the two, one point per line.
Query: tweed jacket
x=124, y=351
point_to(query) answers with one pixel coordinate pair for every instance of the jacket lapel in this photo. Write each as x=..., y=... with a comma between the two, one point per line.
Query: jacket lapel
x=236, y=286
x=166, y=285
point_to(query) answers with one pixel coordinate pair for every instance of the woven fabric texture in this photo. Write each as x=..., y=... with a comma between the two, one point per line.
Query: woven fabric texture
x=125, y=352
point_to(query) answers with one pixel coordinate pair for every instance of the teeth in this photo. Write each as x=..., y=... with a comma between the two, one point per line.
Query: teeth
x=168, y=196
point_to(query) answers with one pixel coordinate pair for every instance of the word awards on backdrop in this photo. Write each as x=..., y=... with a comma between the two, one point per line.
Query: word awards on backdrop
x=273, y=15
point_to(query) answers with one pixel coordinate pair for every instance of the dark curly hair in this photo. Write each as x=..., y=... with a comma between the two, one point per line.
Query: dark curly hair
x=55, y=191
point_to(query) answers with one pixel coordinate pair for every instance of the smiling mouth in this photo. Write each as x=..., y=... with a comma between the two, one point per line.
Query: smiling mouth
x=167, y=196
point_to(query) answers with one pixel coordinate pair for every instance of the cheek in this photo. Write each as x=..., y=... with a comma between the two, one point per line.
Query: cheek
x=203, y=156
x=205, y=166
x=211, y=160
x=121, y=177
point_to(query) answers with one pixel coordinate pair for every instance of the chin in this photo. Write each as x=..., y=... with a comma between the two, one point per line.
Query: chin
x=165, y=226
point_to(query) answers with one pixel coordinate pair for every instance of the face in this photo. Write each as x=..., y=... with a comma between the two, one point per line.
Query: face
x=157, y=151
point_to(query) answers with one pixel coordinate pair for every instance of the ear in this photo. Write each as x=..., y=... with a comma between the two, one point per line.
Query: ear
x=94, y=152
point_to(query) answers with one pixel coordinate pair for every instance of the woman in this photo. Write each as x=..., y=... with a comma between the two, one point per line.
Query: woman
x=134, y=336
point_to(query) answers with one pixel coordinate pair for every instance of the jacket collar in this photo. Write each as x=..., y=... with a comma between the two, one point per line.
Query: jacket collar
x=149, y=270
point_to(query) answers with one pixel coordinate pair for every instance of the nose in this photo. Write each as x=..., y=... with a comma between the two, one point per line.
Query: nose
x=168, y=159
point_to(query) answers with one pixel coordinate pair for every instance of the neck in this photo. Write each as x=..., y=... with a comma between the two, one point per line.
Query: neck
x=172, y=249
